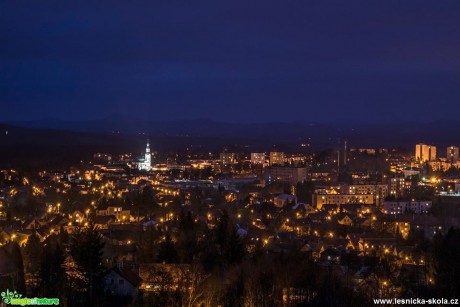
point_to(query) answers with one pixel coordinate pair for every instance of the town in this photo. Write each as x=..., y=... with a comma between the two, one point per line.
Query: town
x=340, y=226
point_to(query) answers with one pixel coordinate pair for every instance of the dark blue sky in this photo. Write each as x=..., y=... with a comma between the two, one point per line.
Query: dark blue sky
x=238, y=61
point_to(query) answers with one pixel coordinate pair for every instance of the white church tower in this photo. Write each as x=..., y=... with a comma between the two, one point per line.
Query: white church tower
x=146, y=163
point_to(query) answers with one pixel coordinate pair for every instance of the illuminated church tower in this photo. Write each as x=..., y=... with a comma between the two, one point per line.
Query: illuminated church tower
x=146, y=163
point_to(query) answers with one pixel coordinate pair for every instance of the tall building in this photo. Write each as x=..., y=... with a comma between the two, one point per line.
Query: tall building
x=258, y=157
x=289, y=174
x=452, y=154
x=424, y=153
x=145, y=164
x=228, y=158
x=397, y=186
x=277, y=158
x=376, y=189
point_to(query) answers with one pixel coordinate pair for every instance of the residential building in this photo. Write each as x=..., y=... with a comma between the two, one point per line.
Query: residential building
x=410, y=171
x=409, y=206
x=369, y=151
x=289, y=174
x=258, y=158
x=443, y=165
x=277, y=158
x=228, y=158
x=397, y=186
x=339, y=199
x=452, y=154
x=424, y=153
x=377, y=189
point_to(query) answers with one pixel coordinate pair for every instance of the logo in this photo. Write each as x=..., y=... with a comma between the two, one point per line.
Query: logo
x=14, y=298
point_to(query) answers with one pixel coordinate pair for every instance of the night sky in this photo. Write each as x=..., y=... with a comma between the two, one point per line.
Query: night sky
x=235, y=61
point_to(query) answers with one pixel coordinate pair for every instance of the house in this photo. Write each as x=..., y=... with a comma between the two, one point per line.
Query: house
x=330, y=256
x=364, y=222
x=321, y=176
x=77, y=216
x=318, y=217
x=23, y=236
x=380, y=245
x=230, y=196
x=353, y=241
x=429, y=224
x=34, y=223
x=355, y=208
x=122, y=282
x=121, y=212
x=147, y=223
x=122, y=236
x=330, y=208
x=284, y=199
x=104, y=221
x=57, y=220
x=343, y=219
x=309, y=209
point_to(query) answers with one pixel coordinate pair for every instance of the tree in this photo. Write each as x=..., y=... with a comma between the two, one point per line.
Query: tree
x=334, y=291
x=17, y=258
x=187, y=241
x=235, y=250
x=144, y=202
x=305, y=191
x=52, y=272
x=147, y=249
x=63, y=236
x=167, y=252
x=345, y=177
x=234, y=294
x=195, y=280
x=86, y=248
x=230, y=247
x=445, y=263
x=33, y=253
x=222, y=231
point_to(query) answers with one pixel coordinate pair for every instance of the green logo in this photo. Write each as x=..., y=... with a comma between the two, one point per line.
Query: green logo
x=14, y=298
x=8, y=296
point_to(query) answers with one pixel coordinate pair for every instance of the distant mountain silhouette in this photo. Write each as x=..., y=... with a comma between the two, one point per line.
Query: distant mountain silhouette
x=55, y=142
x=318, y=135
